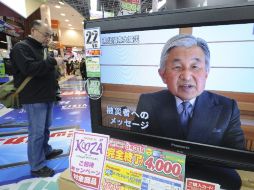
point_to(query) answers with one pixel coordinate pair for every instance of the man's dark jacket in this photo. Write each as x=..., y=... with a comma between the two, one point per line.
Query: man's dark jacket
x=27, y=58
x=215, y=119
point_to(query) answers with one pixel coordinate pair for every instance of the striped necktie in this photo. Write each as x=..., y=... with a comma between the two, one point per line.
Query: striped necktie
x=185, y=115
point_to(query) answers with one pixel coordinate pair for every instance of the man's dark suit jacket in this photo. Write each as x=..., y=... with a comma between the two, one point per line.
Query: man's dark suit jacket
x=215, y=119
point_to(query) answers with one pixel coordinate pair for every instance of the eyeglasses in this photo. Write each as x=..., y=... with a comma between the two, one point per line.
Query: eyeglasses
x=45, y=35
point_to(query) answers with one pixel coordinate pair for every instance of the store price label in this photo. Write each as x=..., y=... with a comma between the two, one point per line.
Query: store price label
x=135, y=166
x=94, y=88
x=93, y=67
x=92, y=38
x=194, y=184
x=162, y=166
x=148, y=159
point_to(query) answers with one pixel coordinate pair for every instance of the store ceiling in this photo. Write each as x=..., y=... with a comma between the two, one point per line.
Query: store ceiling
x=72, y=19
x=77, y=11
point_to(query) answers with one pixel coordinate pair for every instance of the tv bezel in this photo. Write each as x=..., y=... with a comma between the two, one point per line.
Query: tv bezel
x=192, y=17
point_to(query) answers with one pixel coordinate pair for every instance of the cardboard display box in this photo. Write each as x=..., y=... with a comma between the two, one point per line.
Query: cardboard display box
x=247, y=179
x=65, y=181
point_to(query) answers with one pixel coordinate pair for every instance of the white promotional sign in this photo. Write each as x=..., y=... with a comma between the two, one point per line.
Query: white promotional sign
x=92, y=38
x=87, y=159
x=194, y=184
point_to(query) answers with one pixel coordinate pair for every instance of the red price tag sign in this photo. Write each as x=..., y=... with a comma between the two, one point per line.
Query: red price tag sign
x=166, y=167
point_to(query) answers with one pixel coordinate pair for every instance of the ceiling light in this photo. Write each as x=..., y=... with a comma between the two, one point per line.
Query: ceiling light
x=62, y=14
x=69, y=24
x=61, y=2
x=58, y=6
x=72, y=28
x=66, y=20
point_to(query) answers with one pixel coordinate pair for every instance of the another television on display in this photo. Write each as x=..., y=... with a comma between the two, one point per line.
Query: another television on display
x=130, y=57
x=3, y=41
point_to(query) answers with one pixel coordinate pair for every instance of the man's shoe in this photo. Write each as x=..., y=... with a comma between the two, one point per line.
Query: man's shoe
x=43, y=172
x=58, y=98
x=54, y=153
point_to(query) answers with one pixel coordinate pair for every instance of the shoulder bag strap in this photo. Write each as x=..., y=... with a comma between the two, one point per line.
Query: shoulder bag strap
x=23, y=84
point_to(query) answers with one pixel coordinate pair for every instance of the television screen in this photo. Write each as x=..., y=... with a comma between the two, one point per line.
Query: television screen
x=132, y=59
x=130, y=107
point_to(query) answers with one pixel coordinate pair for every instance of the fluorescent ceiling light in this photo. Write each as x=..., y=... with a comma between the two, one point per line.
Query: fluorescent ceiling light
x=61, y=2
x=58, y=6
x=62, y=14
x=66, y=20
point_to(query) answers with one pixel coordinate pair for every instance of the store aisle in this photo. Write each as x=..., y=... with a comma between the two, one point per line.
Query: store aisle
x=71, y=113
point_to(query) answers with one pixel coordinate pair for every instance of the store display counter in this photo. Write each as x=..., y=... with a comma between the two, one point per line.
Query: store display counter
x=65, y=181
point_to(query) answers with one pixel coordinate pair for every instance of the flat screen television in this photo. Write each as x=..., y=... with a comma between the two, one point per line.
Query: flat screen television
x=129, y=61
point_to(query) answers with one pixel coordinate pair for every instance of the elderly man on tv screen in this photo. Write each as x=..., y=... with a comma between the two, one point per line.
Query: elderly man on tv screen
x=185, y=110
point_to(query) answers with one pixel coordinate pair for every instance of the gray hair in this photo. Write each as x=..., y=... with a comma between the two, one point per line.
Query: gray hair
x=37, y=24
x=184, y=40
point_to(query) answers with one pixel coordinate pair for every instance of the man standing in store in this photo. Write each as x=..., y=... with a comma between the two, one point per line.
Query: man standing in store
x=29, y=58
x=83, y=69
